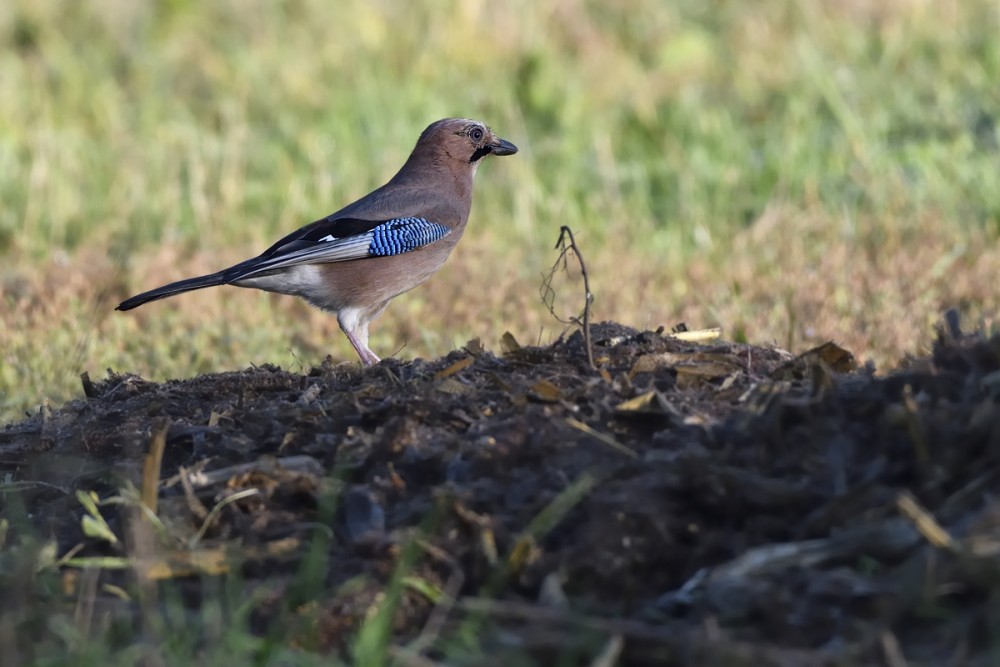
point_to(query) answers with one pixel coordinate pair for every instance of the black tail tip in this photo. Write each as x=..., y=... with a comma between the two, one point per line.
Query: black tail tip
x=128, y=304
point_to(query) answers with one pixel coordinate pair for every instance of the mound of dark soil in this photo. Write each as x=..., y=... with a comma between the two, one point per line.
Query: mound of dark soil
x=684, y=504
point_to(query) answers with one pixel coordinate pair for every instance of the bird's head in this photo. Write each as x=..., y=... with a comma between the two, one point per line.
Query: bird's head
x=464, y=140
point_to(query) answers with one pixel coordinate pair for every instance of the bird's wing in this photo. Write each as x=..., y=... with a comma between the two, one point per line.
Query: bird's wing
x=344, y=239
x=387, y=203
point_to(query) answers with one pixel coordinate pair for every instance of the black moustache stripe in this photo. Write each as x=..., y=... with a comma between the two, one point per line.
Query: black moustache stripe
x=480, y=152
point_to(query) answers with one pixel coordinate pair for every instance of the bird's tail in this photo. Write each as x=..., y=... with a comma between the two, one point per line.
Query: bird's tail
x=178, y=287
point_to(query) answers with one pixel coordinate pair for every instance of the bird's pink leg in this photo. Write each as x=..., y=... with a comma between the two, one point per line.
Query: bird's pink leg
x=368, y=358
x=354, y=323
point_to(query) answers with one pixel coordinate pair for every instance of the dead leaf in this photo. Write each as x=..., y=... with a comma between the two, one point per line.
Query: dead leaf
x=543, y=390
x=509, y=344
x=712, y=364
x=475, y=346
x=698, y=336
x=456, y=367
x=708, y=369
x=650, y=404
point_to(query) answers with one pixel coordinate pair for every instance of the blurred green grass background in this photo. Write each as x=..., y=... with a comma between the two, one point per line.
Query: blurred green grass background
x=791, y=171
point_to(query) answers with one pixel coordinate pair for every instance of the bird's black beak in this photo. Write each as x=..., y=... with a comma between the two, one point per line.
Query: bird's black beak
x=503, y=147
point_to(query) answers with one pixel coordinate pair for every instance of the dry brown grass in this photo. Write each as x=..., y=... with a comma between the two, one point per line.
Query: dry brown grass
x=792, y=278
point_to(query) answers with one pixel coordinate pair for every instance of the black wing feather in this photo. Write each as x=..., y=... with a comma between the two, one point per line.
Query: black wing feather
x=312, y=233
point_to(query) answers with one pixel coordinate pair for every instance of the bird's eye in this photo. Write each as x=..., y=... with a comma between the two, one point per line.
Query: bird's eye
x=476, y=134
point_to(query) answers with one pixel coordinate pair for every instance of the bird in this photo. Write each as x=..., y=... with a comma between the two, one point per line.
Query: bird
x=356, y=260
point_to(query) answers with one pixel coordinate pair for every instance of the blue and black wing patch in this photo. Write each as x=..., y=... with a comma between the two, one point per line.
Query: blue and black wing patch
x=403, y=235
x=343, y=240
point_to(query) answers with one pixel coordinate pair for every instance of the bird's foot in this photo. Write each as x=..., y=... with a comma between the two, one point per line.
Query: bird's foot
x=368, y=358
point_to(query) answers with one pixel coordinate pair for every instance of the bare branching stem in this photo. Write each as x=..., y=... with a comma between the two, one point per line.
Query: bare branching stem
x=566, y=245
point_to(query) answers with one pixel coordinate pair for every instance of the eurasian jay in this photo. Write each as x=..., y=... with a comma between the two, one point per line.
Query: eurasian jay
x=356, y=260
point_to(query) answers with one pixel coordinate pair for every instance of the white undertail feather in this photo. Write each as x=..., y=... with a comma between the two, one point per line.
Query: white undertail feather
x=304, y=280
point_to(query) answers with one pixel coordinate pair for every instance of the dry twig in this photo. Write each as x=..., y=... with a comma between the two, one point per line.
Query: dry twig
x=565, y=245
